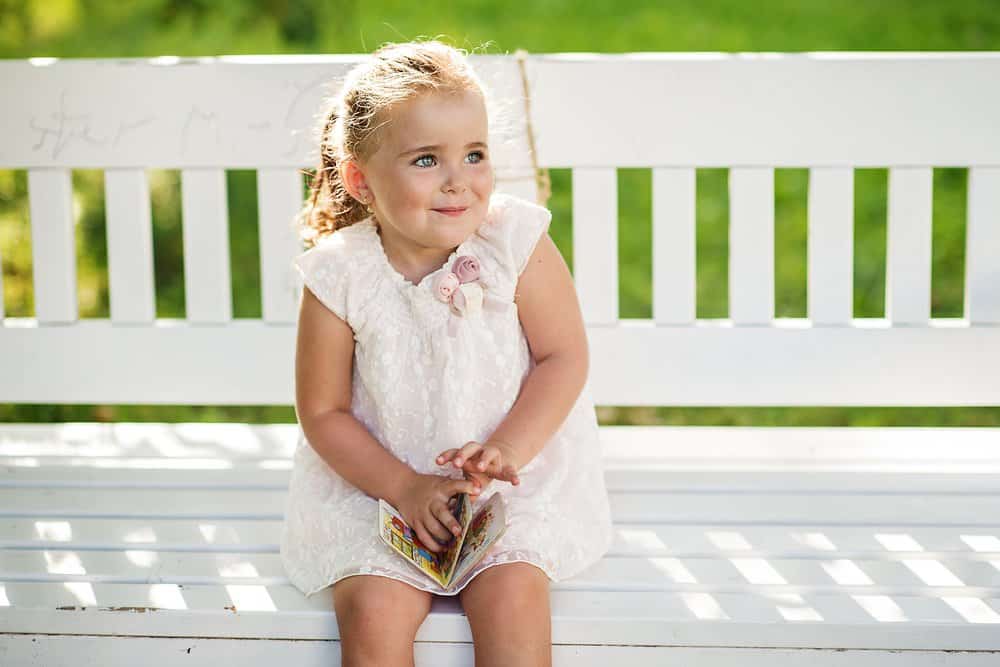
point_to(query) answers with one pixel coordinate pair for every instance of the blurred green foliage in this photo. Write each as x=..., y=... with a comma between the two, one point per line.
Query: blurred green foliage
x=143, y=28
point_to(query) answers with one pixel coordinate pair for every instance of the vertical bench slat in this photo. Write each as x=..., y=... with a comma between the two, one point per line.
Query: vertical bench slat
x=208, y=291
x=674, y=245
x=908, y=247
x=982, y=262
x=751, y=245
x=53, y=245
x=279, y=198
x=595, y=243
x=830, y=251
x=130, y=246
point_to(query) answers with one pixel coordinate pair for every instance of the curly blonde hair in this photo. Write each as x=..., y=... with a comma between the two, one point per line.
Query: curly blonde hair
x=394, y=73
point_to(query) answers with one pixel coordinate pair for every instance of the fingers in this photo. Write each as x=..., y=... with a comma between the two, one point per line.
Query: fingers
x=448, y=522
x=466, y=452
x=510, y=474
x=470, y=486
x=425, y=537
x=439, y=528
x=446, y=455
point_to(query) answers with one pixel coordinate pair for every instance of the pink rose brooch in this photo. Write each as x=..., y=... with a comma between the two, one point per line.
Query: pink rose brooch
x=463, y=291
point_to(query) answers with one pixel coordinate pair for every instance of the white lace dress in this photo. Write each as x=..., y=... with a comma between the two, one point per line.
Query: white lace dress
x=421, y=387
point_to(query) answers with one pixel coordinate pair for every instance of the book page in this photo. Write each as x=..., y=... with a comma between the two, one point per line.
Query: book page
x=399, y=536
x=486, y=528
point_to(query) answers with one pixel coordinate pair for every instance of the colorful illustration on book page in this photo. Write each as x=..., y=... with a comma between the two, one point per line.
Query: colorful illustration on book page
x=404, y=541
x=486, y=528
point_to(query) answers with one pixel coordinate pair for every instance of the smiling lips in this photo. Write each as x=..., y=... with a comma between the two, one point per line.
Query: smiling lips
x=450, y=211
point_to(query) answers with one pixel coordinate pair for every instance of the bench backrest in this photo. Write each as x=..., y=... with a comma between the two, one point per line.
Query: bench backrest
x=673, y=113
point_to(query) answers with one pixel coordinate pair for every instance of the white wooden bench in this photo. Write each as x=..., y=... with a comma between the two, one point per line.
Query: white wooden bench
x=750, y=546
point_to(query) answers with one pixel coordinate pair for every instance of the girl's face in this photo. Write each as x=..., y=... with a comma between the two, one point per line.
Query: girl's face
x=433, y=156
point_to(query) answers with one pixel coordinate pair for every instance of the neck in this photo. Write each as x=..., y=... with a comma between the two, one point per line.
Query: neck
x=412, y=261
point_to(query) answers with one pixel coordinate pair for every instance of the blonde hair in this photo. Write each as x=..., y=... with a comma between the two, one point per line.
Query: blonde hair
x=349, y=126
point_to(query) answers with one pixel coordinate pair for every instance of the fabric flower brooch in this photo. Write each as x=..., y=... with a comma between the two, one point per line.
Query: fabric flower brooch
x=463, y=291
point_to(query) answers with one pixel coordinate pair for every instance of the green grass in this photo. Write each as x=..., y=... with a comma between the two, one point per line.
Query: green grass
x=76, y=28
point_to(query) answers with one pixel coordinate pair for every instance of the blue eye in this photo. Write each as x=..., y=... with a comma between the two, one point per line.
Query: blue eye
x=481, y=155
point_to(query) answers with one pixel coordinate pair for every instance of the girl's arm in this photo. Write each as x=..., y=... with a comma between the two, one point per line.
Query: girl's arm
x=324, y=358
x=553, y=325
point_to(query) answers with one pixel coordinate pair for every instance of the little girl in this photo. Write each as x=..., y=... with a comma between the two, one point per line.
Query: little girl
x=440, y=350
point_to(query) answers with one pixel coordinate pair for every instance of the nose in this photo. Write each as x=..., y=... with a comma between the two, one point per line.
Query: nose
x=454, y=183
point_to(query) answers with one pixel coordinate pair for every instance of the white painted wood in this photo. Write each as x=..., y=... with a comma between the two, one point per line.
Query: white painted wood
x=982, y=239
x=595, y=244
x=247, y=112
x=837, y=546
x=578, y=617
x=72, y=651
x=830, y=251
x=280, y=197
x=812, y=448
x=53, y=247
x=237, y=112
x=908, y=248
x=205, y=212
x=791, y=363
x=510, y=148
x=674, y=251
x=654, y=506
x=751, y=246
x=710, y=363
x=728, y=557
x=130, y=246
x=898, y=108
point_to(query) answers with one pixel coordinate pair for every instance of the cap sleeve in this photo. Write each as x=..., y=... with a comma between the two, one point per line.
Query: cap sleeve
x=516, y=225
x=324, y=269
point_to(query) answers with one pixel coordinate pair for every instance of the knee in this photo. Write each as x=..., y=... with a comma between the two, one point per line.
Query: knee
x=368, y=613
x=517, y=591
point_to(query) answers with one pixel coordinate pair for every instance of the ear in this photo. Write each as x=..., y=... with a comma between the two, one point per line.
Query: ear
x=354, y=180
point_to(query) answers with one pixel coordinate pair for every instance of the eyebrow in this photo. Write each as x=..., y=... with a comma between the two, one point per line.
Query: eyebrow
x=436, y=146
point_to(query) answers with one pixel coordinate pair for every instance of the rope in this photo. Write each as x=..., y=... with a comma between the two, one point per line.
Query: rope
x=542, y=179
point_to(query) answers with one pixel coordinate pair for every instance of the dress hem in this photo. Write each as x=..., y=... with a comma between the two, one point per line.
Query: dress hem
x=435, y=590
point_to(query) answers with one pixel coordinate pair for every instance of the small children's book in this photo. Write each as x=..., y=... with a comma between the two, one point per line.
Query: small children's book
x=447, y=567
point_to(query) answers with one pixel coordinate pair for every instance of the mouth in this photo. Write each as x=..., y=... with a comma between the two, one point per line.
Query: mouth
x=451, y=211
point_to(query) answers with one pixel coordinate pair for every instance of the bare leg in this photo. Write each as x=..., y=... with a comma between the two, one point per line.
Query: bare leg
x=510, y=616
x=378, y=619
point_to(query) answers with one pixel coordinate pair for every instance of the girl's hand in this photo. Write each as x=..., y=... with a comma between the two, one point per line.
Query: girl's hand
x=427, y=508
x=483, y=462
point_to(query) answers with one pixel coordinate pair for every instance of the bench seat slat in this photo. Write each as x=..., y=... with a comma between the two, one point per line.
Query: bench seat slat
x=710, y=447
x=119, y=473
x=800, y=541
x=731, y=572
x=718, y=506
x=66, y=651
x=579, y=617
